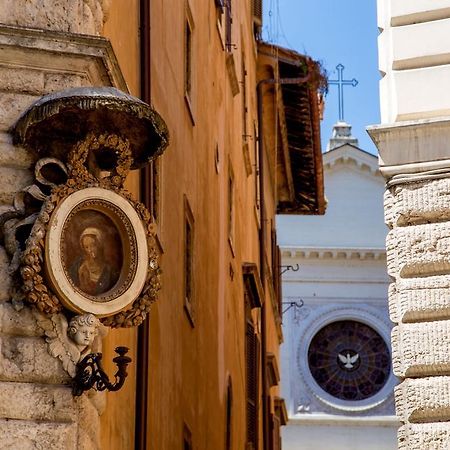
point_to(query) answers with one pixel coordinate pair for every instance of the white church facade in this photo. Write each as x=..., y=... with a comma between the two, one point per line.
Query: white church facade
x=337, y=375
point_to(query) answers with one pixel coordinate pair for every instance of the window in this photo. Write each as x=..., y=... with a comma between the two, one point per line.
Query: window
x=187, y=438
x=228, y=23
x=188, y=63
x=256, y=160
x=231, y=208
x=245, y=135
x=275, y=436
x=251, y=371
x=257, y=18
x=188, y=59
x=349, y=360
x=189, y=262
x=228, y=416
x=276, y=263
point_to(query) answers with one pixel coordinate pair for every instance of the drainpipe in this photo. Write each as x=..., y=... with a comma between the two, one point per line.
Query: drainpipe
x=262, y=250
x=143, y=334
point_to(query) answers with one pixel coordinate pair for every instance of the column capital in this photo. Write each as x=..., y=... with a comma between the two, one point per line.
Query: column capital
x=416, y=149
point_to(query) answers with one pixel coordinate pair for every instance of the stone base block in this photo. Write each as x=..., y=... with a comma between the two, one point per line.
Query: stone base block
x=18, y=323
x=12, y=106
x=27, y=359
x=419, y=203
x=421, y=349
x=426, y=436
x=75, y=16
x=423, y=400
x=27, y=435
x=420, y=299
x=419, y=250
x=27, y=401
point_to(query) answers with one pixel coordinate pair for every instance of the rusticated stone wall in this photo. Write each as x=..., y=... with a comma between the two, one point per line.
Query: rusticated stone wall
x=418, y=253
x=73, y=16
x=37, y=409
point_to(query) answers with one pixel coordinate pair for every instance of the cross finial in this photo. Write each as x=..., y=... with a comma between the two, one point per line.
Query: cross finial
x=340, y=83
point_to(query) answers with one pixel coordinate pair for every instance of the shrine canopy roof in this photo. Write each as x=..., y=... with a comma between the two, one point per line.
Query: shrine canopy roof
x=292, y=127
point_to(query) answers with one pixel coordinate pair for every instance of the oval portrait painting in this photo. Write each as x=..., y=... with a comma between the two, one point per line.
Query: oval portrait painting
x=96, y=252
x=92, y=252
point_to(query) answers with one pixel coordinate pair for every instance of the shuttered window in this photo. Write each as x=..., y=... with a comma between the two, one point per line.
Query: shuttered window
x=276, y=264
x=275, y=437
x=252, y=350
x=228, y=23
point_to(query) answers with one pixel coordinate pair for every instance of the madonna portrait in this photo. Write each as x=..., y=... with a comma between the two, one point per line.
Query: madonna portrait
x=93, y=252
x=96, y=252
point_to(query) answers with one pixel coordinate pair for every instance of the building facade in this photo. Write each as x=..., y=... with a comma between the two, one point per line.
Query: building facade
x=414, y=159
x=337, y=378
x=205, y=363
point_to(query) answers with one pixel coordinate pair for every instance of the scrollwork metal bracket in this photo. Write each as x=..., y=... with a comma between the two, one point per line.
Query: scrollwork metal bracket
x=90, y=373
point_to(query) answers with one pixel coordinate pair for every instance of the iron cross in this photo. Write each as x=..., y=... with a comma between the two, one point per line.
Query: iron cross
x=340, y=83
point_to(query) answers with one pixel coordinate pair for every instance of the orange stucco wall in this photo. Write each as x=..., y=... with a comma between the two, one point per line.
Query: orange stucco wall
x=189, y=365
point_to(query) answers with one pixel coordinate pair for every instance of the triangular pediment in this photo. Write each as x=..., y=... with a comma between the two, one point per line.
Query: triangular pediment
x=348, y=154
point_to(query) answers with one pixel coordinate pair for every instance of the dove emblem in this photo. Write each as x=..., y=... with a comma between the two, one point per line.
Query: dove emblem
x=348, y=361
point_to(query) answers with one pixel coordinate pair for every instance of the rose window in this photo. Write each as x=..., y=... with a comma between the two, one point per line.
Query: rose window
x=349, y=360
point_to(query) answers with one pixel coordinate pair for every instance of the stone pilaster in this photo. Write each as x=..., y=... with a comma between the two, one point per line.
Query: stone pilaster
x=413, y=142
x=417, y=209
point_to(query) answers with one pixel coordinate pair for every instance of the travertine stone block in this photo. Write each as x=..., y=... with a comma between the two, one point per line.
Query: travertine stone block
x=18, y=323
x=13, y=156
x=419, y=299
x=394, y=312
x=89, y=422
x=27, y=359
x=390, y=213
x=419, y=250
x=24, y=80
x=12, y=106
x=28, y=401
x=418, y=203
x=59, y=81
x=5, y=278
x=424, y=436
x=21, y=81
x=423, y=399
x=30, y=435
x=74, y=16
x=13, y=180
x=421, y=349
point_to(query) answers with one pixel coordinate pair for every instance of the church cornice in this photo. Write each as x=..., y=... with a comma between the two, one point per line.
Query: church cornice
x=347, y=153
x=355, y=253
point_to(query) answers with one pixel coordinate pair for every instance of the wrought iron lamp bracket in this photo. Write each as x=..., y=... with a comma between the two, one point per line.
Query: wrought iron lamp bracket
x=90, y=373
x=297, y=305
x=294, y=268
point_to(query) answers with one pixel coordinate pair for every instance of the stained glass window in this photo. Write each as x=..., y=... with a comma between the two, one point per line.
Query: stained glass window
x=349, y=360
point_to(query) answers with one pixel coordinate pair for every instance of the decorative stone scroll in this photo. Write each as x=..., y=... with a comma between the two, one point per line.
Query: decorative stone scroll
x=84, y=249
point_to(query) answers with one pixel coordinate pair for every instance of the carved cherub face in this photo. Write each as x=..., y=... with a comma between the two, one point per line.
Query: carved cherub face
x=85, y=335
x=83, y=329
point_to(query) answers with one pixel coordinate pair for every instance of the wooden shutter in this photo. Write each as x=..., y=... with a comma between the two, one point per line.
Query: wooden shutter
x=252, y=355
x=257, y=11
x=275, y=437
x=228, y=22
